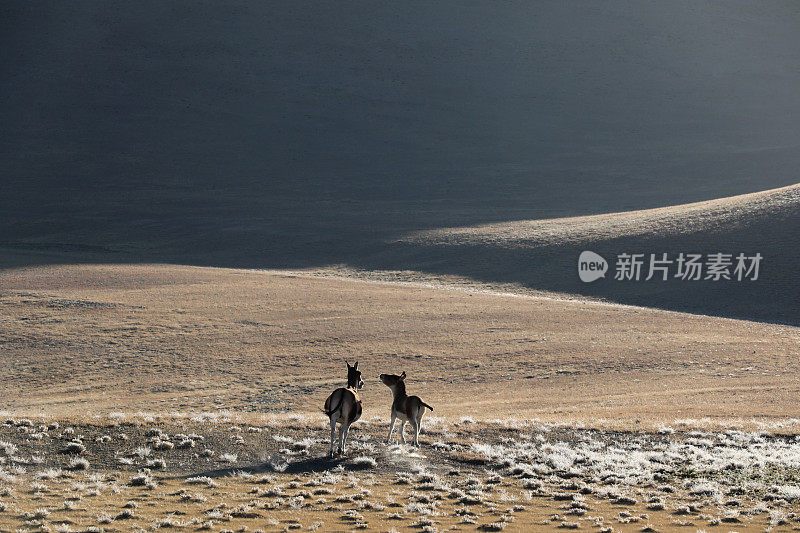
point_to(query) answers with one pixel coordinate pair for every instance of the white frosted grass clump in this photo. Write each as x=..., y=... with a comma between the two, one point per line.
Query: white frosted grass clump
x=50, y=473
x=78, y=463
x=201, y=480
x=212, y=417
x=7, y=476
x=489, y=451
x=641, y=459
x=788, y=492
x=435, y=425
x=142, y=451
x=364, y=462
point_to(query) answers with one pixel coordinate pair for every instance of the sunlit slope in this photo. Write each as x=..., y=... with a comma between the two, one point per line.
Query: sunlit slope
x=543, y=254
x=162, y=338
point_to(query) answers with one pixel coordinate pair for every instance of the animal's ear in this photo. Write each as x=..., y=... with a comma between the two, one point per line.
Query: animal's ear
x=355, y=366
x=403, y=375
x=348, y=364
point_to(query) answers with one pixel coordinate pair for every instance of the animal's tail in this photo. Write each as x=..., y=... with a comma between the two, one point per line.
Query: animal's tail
x=329, y=413
x=426, y=405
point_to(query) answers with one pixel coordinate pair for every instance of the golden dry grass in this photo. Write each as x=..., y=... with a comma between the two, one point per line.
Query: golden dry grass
x=99, y=338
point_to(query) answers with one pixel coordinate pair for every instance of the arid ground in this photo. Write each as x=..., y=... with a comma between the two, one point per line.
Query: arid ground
x=195, y=394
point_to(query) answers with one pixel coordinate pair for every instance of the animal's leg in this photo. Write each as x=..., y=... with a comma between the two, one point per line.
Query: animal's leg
x=415, y=424
x=344, y=437
x=402, y=430
x=341, y=436
x=333, y=434
x=391, y=428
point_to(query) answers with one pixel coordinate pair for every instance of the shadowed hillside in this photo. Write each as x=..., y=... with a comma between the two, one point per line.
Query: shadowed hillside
x=301, y=135
x=543, y=254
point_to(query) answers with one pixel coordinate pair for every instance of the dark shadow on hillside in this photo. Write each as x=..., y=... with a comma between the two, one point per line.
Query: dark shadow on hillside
x=272, y=135
x=773, y=297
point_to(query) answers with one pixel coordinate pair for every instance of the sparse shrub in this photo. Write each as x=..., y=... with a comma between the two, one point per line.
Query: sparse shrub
x=142, y=451
x=159, y=464
x=201, y=480
x=142, y=479
x=363, y=462
x=625, y=500
x=8, y=448
x=422, y=522
x=37, y=514
x=125, y=514
x=228, y=457
x=74, y=447
x=78, y=463
x=163, y=445
x=245, y=511
x=38, y=487
x=50, y=473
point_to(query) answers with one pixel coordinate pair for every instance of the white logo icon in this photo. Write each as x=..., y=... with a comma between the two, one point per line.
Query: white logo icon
x=591, y=266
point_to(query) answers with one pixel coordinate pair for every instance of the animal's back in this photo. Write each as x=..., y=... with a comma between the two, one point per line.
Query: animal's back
x=332, y=402
x=348, y=400
x=418, y=403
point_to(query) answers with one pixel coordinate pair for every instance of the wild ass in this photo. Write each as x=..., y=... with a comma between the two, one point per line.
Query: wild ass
x=344, y=405
x=407, y=408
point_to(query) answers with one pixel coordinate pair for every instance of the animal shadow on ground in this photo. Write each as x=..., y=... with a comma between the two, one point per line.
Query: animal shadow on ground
x=309, y=465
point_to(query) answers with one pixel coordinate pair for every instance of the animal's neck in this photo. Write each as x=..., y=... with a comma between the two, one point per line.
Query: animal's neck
x=352, y=384
x=399, y=391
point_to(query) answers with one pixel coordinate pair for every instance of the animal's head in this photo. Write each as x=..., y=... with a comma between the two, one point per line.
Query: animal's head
x=391, y=380
x=354, y=376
